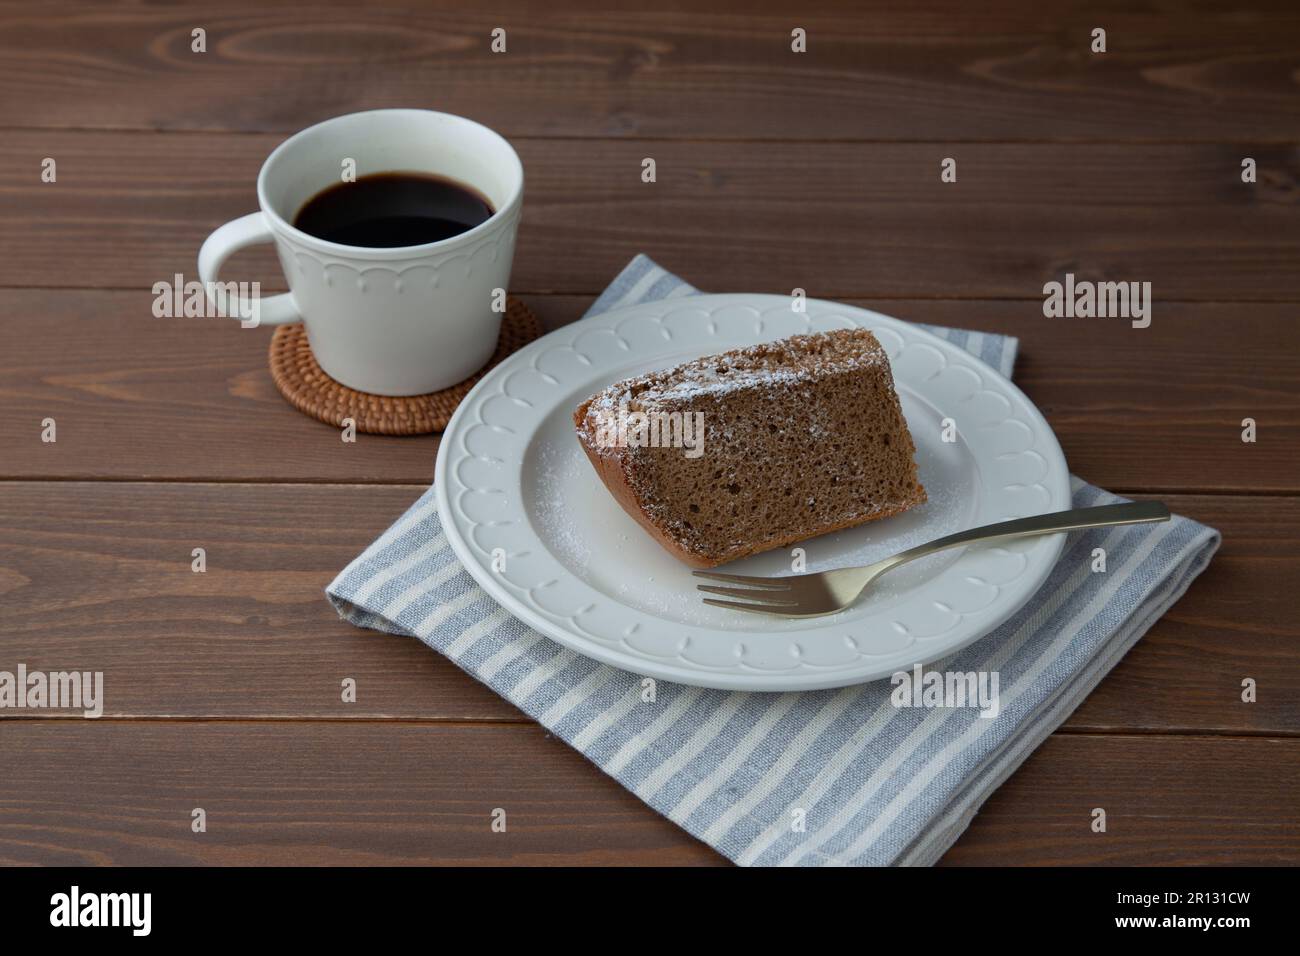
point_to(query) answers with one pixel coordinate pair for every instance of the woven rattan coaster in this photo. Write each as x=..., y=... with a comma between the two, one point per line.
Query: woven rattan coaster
x=312, y=392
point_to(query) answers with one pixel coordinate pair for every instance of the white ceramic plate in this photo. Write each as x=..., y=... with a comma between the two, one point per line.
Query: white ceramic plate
x=512, y=481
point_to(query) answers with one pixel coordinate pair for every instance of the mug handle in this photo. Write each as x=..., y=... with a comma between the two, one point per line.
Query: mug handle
x=220, y=246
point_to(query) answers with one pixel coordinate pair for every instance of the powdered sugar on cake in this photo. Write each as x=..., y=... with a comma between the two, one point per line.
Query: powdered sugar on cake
x=753, y=367
x=799, y=437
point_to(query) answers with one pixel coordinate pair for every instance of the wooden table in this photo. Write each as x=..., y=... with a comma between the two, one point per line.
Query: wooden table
x=775, y=170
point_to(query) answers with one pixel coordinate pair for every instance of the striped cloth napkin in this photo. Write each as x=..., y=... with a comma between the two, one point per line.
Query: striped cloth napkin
x=835, y=777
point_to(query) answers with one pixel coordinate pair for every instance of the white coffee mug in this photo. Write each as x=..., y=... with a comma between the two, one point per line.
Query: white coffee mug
x=390, y=321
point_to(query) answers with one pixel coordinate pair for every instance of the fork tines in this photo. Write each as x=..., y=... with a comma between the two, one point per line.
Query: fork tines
x=760, y=594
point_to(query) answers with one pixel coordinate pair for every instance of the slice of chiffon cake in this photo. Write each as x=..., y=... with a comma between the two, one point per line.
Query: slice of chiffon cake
x=757, y=448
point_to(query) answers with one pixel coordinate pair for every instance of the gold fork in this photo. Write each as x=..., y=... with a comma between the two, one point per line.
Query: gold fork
x=825, y=592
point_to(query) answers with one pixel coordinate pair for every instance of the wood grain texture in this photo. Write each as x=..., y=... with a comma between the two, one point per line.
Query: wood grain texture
x=97, y=576
x=131, y=209
x=1155, y=409
x=933, y=70
x=1188, y=801
x=306, y=793
x=251, y=636
x=774, y=171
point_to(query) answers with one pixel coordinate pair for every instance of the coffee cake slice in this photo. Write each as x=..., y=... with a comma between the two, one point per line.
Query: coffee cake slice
x=757, y=448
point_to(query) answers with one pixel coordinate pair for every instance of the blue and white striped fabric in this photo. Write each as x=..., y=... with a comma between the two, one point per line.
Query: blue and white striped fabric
x=838, y=777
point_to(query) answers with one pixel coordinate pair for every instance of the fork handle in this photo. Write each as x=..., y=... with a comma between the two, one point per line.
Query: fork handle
x=1134, y=512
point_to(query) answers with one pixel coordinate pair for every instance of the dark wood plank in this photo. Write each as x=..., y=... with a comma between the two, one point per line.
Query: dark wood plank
x=309, y=794
x=314, y=793
x=131, y=209
x=1238, y=620
x=1156, y=409
x=941, y=69
x=97, y=577
x=1186, y=801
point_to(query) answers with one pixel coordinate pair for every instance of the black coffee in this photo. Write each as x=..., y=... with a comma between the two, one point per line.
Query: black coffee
x=393, y=209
